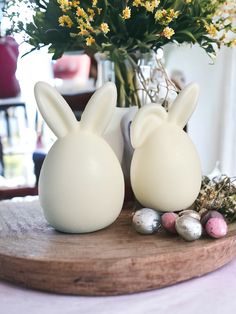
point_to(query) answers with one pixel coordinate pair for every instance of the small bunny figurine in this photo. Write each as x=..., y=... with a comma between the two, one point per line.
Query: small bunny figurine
x=165, y=169
x=81, y=184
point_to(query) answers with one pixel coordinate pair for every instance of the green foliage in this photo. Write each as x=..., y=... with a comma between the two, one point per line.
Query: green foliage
x=139, y=32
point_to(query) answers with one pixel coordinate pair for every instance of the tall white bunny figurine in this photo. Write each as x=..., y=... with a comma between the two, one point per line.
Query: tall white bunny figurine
x=81, y=184
x=165, y=169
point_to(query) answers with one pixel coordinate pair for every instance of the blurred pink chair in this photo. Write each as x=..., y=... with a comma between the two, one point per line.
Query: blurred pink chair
x=71, y=66
x=9, y=85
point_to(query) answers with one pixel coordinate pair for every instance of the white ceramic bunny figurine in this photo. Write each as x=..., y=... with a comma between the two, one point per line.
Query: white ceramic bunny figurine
x=165, y=169
x=81, y=184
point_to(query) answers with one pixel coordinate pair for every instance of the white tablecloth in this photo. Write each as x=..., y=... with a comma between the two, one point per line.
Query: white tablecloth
x=214, y=293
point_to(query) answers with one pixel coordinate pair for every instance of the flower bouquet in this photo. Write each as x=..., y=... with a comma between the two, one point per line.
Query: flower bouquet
x=124, y=30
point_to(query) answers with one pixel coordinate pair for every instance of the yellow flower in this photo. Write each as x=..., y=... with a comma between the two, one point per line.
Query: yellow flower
x=232, y=43
x=65, y=5
x=95, y=3
x=164, y=12
x=151, y=5
x=75, y=3
x=105, y=28
x=63, y=2
x=126, y=13
x=137, y=3
x=188, y=1
x=155, y=3
x=168, y=32
x=81, y=12
x=211, y=29
x=158, y=15
x=173, y=14
x=84, y=25
x=65, y=20
x=91, y=14
x=83, y=32
x=164, y=17
x=90, y=40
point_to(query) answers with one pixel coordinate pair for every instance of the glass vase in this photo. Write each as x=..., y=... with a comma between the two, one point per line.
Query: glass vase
x=139, y=77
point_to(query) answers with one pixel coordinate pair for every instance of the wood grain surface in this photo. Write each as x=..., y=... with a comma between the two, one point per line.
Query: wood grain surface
x=113, y=261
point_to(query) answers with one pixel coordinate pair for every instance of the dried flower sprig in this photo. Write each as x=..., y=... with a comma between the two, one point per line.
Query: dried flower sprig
x=218, y=194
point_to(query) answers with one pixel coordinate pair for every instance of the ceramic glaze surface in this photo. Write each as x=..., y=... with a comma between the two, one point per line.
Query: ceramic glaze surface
x=85, y=204
x=165, y=169
x=81, y=185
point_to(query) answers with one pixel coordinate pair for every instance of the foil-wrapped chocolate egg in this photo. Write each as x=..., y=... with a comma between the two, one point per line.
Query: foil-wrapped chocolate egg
x=168, y=221
x=210, y=214
x=191, y=213
x=146, y=221
x=216, y=227
x=188, y=228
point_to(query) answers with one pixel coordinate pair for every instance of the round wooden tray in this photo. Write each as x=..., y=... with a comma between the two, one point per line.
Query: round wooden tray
x=113, y=261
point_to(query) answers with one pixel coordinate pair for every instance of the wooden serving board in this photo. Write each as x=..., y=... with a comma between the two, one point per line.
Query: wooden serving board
x=113, y=261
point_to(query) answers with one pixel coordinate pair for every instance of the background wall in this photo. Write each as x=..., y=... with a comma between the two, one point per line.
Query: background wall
x=212, y=126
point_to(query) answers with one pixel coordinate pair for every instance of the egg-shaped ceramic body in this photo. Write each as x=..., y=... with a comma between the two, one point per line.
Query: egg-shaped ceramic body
x=166, y=171
x=77, y=189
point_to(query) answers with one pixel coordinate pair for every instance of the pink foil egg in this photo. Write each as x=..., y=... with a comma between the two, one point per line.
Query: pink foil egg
x=216, y=227
x=168, y=221
x=210, y=214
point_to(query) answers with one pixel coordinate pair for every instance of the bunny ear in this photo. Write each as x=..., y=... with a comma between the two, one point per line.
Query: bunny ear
x=145, y=122
x=100, y=108
x=184, y=105
x=54, y=109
